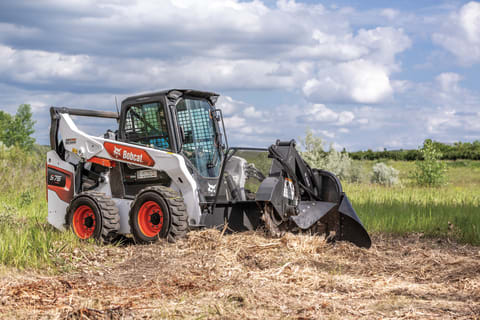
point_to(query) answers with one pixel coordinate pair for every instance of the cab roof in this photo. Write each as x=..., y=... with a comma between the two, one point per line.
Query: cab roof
x=173, y=93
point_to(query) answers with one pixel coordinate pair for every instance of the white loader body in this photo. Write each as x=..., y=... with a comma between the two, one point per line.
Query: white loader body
x=80, y=146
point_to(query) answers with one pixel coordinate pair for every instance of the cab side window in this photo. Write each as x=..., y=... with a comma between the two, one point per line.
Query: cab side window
x=146, y=124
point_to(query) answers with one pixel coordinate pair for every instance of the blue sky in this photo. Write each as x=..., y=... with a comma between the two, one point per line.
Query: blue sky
x=360, y=74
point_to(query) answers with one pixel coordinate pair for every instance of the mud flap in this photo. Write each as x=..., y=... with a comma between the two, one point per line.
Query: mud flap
x=352, y=228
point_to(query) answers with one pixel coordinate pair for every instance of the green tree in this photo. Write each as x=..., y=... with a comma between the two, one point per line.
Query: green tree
x=431, y=171
x=17, y=130
x=313, y=145
x=5, y=121
x=334, y=161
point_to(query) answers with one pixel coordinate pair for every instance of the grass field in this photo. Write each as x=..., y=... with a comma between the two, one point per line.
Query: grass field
x=28, y=241
x=450, y=211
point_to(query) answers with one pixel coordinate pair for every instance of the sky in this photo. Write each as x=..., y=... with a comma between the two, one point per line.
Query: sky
x=359, y=74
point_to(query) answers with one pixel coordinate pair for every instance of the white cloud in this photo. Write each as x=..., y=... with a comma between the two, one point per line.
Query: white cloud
x=390, y=13
x=448, y=81
x=221, y=44
x=365, y=75
x=363, y=121
x=460, y=33
x=379, y=44
x=235, y=122
x=401, y=86
x=442, y=120
x=251, y=112
x=470, y=21
x=320, y=113
x=35, y=66
x=327, y=134
x=384, y=44
x=46, y=68
x=345, y=117
x=357, y=81
x=228, y=105
x=446, y=92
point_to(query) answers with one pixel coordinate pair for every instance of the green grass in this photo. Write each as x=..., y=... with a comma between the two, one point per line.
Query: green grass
x=27, y=241
x=451, y=211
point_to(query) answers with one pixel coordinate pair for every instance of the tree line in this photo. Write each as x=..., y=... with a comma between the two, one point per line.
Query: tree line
x=454, y=151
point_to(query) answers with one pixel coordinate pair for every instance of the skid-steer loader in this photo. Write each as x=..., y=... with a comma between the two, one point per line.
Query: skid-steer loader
x=168, y=169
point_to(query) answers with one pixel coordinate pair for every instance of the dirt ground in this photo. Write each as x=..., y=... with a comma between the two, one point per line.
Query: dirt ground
x=250, y=276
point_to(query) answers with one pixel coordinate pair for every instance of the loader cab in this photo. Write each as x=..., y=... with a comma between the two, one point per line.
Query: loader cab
x=179, y=121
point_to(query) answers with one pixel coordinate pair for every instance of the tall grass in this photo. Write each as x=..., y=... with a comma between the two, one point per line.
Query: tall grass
x=450, y=211
x=447, y=212
x=26, y=239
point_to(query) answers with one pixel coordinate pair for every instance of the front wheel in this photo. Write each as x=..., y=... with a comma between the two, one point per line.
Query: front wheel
x=158, y=212
x=93, y=215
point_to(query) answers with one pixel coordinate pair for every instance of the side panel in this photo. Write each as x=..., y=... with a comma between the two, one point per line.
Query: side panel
x=60, y=185
x=235, y=167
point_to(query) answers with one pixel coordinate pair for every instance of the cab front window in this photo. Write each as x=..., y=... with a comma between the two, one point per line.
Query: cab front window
x=200, y=145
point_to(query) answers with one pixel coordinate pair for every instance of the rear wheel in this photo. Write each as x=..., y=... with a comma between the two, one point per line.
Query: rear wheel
x=158, y=212
x=93, y=215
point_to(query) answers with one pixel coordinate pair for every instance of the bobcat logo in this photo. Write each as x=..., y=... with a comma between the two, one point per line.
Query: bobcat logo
x=212, y=188
x=116, y=151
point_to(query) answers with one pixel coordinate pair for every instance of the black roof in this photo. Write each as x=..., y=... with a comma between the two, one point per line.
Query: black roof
x=174, y=92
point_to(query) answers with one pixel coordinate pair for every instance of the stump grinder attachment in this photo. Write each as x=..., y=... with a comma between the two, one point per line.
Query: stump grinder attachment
x=296, y=198
x=314, y=199
x=167, y=169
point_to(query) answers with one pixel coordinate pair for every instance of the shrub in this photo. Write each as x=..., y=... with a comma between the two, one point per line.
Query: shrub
x=334, y=161
x=384, y=175
x=431, y=171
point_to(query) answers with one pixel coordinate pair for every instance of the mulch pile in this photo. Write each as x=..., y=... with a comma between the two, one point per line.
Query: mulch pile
x=250, y=276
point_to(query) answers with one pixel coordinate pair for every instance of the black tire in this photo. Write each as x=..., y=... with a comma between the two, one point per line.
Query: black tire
x=104, y=214
x=172, y=223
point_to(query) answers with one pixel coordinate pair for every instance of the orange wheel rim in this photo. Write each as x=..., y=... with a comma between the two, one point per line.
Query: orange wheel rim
x=84, y=222
x=150, y=218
